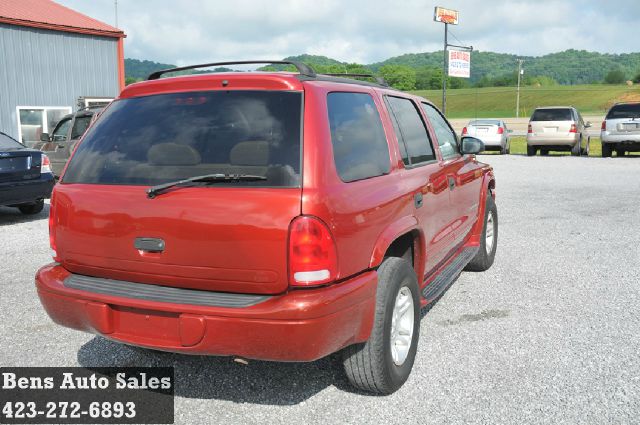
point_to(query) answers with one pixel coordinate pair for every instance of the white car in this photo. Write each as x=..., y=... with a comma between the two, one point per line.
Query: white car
x=493, y=133
x=621, y=129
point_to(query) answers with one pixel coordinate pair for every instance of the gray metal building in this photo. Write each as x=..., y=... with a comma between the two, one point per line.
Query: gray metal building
x=52, y=61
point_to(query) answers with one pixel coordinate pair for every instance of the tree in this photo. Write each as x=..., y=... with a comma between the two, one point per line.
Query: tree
x=401, y=77
x=636, y=79
x=615, y=76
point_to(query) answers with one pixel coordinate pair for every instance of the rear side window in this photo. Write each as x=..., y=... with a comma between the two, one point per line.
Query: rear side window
x=360, y=149
x=80, y=125
x=162, y=138
x=554, y=114
x=631, y=110
x=411, y=131
x=447, y=139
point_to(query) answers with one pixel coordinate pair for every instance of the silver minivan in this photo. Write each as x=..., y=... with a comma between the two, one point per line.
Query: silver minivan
x=557, y=128
x=621, y=129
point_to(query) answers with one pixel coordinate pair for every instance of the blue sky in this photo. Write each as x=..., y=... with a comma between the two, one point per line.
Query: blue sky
x=188, y=31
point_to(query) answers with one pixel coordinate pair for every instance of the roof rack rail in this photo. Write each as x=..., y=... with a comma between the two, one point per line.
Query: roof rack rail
x=378, y=80
x=302, y=68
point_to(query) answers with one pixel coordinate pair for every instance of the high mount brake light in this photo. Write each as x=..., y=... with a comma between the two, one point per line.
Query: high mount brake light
x=312, y=253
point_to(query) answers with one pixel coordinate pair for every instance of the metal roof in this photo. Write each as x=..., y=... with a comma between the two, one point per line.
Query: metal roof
x=53, y=16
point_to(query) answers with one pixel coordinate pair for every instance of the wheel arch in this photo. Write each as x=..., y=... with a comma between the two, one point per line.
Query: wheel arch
x=396, y=239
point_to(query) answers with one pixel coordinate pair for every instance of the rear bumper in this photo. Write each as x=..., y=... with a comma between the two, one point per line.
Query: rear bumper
x=20, y=192
x=301, y=325
x=630, y=139
x=552, y=140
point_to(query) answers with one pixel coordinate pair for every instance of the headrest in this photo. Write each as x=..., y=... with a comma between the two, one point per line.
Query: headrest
x=173, y=154
x=250, y=153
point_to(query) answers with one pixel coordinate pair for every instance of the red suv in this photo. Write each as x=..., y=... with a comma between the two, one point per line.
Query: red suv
x=278, y=216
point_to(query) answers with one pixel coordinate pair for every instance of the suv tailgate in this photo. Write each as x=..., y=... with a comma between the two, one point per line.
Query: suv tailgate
x=215, y=238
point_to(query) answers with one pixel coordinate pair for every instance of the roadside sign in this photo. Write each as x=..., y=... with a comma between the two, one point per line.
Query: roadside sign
x=459, y=64
x=447, y=16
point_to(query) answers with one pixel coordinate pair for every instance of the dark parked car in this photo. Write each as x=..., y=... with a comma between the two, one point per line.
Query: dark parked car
x=65, y=136
x=25, y=176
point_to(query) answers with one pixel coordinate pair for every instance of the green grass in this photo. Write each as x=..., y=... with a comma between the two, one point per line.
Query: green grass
x=500, y=102
x=519, y=147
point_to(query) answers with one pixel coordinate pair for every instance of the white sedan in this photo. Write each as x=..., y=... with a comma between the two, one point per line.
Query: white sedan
x=493, y=133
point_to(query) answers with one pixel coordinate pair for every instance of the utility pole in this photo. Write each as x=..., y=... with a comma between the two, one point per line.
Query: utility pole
x=444, y=71
x=520, y=71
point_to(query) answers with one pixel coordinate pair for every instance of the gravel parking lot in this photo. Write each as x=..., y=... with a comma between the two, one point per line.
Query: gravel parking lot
x=549, y=335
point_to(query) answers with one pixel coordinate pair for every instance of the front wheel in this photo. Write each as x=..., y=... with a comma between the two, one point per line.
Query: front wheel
x=383, y=363
x=30, y=209
x=488, y=239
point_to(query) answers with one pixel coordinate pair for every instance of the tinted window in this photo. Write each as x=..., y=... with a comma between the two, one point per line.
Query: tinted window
x=80, y=125
x=624, y=111
x=446, y=136
x=411, y=131
x=360, y=147
x=559, y=114
x=7, y=142
x=60, y=133
x=156, y=139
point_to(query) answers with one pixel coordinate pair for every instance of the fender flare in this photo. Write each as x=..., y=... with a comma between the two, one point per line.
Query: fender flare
x=394, y=230
x=488, y=186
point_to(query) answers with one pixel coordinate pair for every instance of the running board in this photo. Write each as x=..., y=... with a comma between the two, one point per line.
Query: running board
x=448, y=274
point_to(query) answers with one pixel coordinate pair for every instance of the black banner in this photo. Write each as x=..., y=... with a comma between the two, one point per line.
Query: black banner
x=76, y=395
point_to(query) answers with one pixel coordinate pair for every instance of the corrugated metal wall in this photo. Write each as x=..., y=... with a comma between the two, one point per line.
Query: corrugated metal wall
x=50, y=68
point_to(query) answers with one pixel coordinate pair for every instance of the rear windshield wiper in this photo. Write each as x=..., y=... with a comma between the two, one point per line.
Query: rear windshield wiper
x=212, y=178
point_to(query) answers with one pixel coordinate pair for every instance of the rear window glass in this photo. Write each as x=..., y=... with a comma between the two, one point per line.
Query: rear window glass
x=624, y=111
x=360, y=147
x=484, y=122
x=559, y=114
x=162, y=138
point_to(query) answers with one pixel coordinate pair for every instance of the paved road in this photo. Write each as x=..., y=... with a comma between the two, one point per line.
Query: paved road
x=549, y=335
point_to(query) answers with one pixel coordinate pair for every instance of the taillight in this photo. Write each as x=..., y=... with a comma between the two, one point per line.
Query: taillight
x=312, y=253
x=45, y=166
x=530, y=129
x=604, y=126
x=52, y=227
x=573, y=129
x=500, y=130
x=464, y=131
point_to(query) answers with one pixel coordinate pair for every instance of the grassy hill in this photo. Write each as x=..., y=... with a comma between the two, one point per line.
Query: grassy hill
x=500, y=102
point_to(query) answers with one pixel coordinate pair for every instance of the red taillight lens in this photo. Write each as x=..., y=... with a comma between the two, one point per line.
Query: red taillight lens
x=573, y=129
x=312, y=253
x=530, y=129
x=604, y=126
x=52, y=227
x=45, y=167
x=500, y=130
x=464, y=131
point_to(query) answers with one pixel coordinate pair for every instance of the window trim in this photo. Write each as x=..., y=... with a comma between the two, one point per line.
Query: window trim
x=458, y=153
x=384, y=133
x=392, y=115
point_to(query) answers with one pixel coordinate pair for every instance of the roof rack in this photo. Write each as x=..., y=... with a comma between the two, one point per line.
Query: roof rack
x=302, y=68
x=378, y=80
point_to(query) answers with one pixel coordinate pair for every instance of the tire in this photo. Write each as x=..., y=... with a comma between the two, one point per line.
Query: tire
x=587, y=148
x=485, y=256
x=30, y=209
x=531, y=151
x=544, y=152
x=370, y=366
x=503, y=151
x=577, y=149
x=620, y=152
x=508, y=152
x=606, y=150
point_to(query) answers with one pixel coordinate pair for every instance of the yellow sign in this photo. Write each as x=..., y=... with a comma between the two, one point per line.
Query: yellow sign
x=447, y=16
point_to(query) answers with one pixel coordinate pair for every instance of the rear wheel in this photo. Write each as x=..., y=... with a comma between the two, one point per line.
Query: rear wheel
x=30, y=209
x=620, y=152
x=531, y=150
x=587, y=148
x=488, y=240
x=606, y=150
x=383, y=363
x=544, y=152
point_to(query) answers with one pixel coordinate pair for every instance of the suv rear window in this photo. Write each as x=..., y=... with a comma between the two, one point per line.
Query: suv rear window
x=161, y=138
x=559, y=114
x=631, y=110
x=360, y=149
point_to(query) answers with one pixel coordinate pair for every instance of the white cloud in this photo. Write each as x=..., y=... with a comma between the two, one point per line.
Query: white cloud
x=188, y=31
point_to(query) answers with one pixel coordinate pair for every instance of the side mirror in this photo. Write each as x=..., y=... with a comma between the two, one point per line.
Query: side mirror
x=587, y=124
x=44, y=137
x=471, y=145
